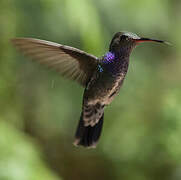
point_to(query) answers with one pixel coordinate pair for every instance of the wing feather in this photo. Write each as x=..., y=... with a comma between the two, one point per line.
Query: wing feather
x=70, y=62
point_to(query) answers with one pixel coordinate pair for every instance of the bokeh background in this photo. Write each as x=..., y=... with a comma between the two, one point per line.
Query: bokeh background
x=39, y=110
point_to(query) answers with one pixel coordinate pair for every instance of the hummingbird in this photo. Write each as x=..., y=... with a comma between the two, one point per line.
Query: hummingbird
x=101, y=77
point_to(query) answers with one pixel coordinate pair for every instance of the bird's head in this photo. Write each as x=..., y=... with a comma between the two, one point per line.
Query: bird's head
x=126, y=41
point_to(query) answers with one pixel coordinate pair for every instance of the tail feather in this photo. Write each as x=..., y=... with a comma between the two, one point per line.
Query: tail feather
x=88, y=136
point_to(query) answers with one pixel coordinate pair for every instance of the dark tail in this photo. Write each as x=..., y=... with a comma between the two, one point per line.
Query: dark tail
x=88, y=136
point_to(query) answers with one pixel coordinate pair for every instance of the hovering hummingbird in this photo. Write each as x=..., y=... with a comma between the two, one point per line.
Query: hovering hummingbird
x=101, y=77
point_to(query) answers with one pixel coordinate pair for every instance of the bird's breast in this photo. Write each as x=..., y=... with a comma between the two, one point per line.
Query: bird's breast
x=103, y=87
x=107, y=80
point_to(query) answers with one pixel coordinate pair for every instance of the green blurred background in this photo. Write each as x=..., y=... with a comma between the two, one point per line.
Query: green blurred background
x=39, y=110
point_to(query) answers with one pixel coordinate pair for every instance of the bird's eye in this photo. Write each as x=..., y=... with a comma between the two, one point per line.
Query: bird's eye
x=123, y=37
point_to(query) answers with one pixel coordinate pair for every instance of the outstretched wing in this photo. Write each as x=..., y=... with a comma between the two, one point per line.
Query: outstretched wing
x=70, y=62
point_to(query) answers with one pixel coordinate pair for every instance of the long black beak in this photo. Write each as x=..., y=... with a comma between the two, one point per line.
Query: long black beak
x=151, y=40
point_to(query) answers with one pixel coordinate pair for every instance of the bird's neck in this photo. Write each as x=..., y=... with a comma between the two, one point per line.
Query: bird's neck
x=116, y=62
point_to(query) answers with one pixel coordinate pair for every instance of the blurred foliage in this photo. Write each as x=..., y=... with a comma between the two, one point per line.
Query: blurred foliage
x=20, y=159
x=39, y=110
